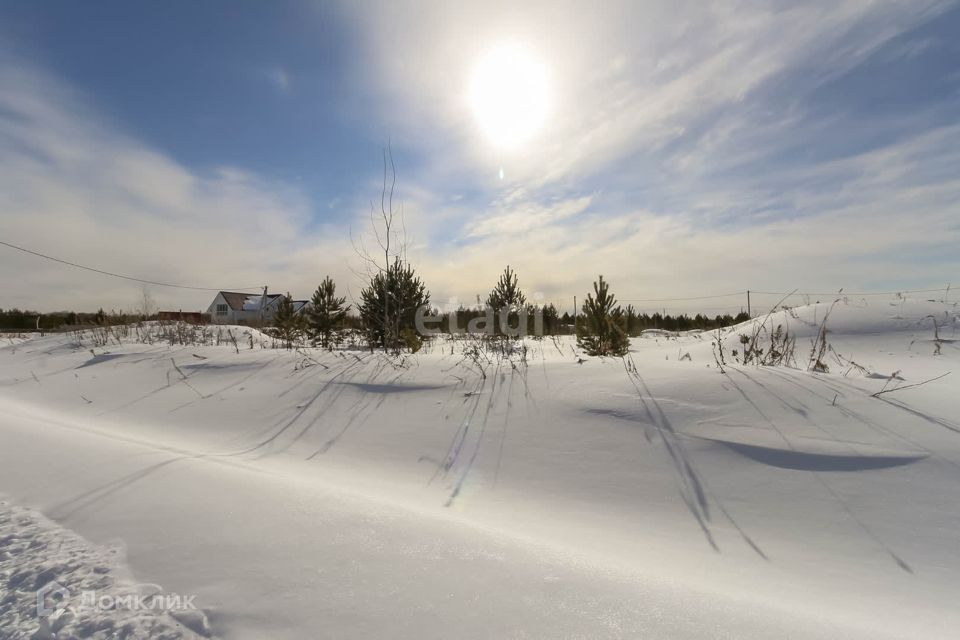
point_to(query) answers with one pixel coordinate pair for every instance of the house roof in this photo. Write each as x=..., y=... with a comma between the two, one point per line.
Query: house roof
x=246, y=301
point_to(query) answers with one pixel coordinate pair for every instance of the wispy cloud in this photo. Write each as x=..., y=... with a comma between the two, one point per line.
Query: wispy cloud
x=525, y=217
x=75, y=187
x=630, y=78
x=687, y=142
x=685, y=156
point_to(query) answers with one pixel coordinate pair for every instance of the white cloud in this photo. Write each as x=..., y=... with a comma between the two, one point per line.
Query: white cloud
x=525, y=217
x=633, y=79
x=75, y=188
x=626, y=76
x=886, y=218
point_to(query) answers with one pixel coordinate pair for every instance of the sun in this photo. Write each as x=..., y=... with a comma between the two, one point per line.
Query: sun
x=509, y=95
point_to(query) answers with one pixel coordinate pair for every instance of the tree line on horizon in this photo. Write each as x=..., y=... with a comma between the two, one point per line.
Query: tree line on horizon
x=26, y=320
x=389, y=303
x=329, y=315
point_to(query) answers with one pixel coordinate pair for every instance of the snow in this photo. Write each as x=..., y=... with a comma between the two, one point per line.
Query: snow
x=38, y=560
x=349, y=494
x=254, y=303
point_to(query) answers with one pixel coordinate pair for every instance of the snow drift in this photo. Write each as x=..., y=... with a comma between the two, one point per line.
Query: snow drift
x=330, y=494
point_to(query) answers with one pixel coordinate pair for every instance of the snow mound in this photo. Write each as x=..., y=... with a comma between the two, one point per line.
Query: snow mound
x=532, y=493
x=54, y=584
x=849, y=317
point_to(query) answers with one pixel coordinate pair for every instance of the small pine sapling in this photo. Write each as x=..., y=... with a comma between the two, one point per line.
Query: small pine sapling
x=327, y=313
x=602, y=332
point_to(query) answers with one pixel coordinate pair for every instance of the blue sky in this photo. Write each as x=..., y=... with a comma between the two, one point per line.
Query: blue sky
x=261, y=86
x=686, y=148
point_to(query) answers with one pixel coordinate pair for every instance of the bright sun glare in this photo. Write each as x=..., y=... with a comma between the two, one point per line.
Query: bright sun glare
x=509, y=95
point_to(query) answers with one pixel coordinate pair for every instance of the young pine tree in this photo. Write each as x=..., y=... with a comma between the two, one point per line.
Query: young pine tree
x=601, y=331
x=327, y=312
x=507, y=295
x=287, y=323
x=632, y=321
x=388, y=306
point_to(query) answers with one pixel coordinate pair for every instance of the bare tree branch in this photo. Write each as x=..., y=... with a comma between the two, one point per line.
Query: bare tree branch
x=386, y=237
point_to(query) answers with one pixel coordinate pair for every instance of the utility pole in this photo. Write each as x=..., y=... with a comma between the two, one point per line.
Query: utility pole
x=748, y=303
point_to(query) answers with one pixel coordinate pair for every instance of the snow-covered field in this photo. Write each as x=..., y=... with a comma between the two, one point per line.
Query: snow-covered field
x=349, y=494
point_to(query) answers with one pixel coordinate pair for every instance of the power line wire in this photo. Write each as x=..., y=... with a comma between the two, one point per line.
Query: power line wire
x=848, y=293
x=783, y=293
x=118, y=275
x=719, y=295
x=690, y=298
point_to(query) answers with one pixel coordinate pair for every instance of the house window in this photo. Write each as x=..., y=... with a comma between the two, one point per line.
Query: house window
x=221, y=309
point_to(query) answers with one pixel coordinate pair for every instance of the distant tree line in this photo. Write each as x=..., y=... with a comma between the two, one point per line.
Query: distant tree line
x=635, y=323
x=26, y=320
x=325, y=326
x=555, y=323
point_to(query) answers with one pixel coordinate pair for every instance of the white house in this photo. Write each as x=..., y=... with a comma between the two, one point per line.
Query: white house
x=229, y=307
